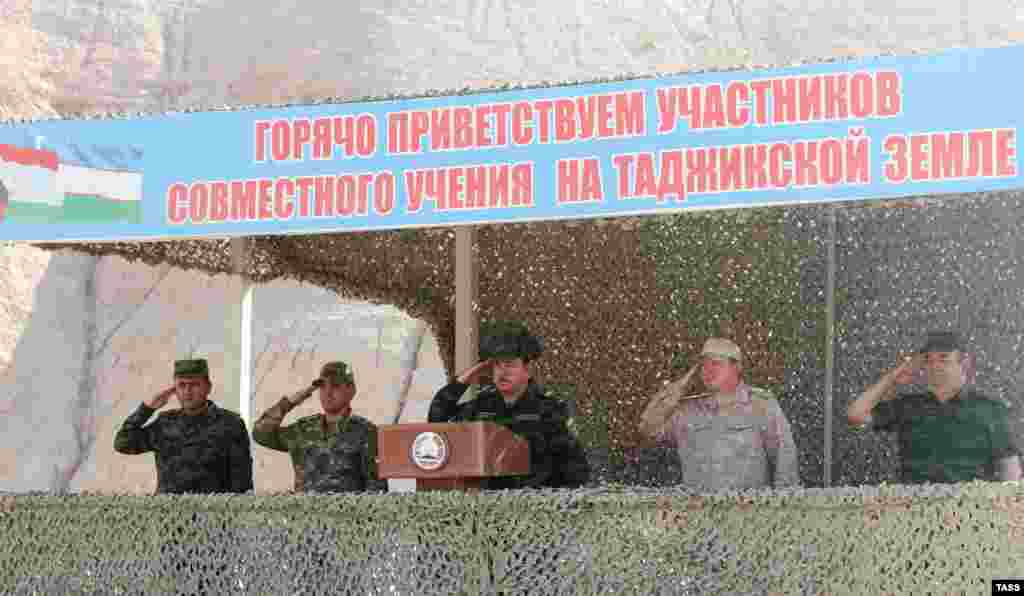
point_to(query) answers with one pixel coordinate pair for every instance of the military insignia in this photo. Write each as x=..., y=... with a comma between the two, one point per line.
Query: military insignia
x=429, y=451
x=528, y=417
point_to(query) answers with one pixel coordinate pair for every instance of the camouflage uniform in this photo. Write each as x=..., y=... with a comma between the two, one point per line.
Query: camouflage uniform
x=751, y=448
x=195, y=453
x=339, y=458
x=556, y=457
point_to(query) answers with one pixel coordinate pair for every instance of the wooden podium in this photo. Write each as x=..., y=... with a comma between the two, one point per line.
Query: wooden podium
x=450, y=456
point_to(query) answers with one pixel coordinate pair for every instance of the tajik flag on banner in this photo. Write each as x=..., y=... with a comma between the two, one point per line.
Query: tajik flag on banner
x=66, y=182
x=30, y=176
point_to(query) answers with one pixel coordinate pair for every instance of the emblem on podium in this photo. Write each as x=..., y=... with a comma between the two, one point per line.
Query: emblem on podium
x=429, y=451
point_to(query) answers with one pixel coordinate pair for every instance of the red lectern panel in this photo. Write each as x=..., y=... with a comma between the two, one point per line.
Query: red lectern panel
x=450, y=455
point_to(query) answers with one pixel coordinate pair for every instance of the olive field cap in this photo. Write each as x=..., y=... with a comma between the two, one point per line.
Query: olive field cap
x=337, y=373
x=942, y=341
x=718, y=347
x=191, y=368
x=509, y=340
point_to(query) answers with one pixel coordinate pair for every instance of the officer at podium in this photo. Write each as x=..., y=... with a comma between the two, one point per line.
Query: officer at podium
x=515, y=400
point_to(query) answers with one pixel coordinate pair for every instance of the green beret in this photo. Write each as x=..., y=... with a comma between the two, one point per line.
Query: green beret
x=508, y=339
x=191, y=368
x=337, y=373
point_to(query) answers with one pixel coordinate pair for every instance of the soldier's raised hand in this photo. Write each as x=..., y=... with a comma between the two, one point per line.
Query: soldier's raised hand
x=904, y=373
x=689, y=373
x=160, y=399
x=680, y=386
x=300, y=396
x=471, y=376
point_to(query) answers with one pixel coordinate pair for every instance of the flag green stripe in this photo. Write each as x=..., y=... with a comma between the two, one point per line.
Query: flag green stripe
x=76, y=209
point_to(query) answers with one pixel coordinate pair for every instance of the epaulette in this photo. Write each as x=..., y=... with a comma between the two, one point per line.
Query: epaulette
x=995, y=400
x=551, y=394
x=761, y=393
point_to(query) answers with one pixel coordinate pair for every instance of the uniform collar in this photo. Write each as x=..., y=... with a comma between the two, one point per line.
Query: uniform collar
x=743, y=395
x=337, y=426
x=206, y=409
x=533, y=391
x=960, y=396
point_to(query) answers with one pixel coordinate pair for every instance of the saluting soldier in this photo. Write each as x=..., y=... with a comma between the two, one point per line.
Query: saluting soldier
x=333, y=451
x=732, y=437
x=515, y=400
x=950, y=433
x=200, y=447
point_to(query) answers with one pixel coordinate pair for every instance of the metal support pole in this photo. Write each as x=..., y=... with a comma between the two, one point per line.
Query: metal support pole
x=238, y=335
x=830, y=328
x=466, y=320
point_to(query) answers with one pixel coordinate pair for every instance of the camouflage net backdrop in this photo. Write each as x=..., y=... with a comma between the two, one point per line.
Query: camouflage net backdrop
x=624, y=305
x=936, y=539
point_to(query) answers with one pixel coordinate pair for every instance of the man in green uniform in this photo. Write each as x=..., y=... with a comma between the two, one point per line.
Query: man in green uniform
x=333, y=451
x=201, y=447
x=516, y=401
x=950, y=433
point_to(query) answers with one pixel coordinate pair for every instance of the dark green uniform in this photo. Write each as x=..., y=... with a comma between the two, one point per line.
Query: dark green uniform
x=556, y=457
x=956, y=441
x=195, y=453
x=326, y=458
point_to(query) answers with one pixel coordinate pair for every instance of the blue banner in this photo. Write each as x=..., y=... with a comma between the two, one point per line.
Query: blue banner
x=863, y=129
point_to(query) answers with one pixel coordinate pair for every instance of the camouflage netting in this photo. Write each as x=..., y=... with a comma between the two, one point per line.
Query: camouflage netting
x=953, y=264
x=893, y=539
x=624, y=304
